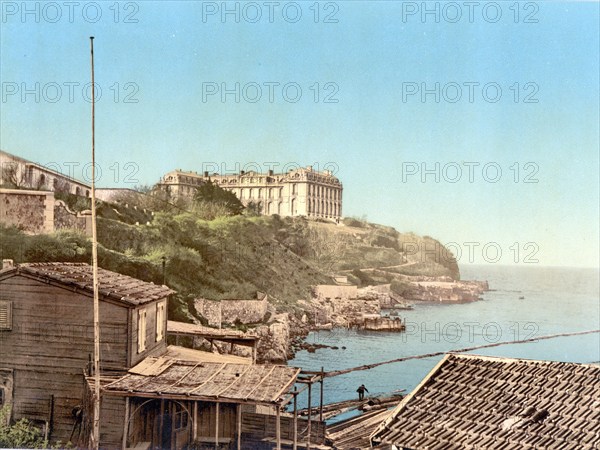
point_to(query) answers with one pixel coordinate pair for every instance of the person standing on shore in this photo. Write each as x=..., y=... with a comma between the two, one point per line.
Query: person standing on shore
x=361, y=391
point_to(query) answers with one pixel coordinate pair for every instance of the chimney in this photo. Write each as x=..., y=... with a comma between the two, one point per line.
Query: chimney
x=270, y=172
x=206, y=174
x=7, y=264
x=242, y=172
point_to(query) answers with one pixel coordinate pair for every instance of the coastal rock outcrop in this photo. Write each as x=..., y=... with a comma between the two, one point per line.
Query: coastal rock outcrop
x=434, y=290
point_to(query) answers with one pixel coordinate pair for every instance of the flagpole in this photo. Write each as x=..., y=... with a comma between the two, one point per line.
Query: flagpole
x=96, y=424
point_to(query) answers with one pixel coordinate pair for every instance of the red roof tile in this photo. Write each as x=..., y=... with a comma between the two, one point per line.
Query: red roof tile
x=474, y=401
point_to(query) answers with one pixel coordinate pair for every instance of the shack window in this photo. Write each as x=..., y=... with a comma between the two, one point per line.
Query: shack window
x=5, y=315
x=141, y=330
x=160, y=321
x=181, y=417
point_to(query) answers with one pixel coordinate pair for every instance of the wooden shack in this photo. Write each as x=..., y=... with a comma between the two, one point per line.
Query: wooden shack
x=153, y=395
x=47, y=339
x=176, y=404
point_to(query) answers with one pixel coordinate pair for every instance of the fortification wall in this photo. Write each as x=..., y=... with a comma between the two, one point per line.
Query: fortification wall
x=31, y=211
x=38, y=212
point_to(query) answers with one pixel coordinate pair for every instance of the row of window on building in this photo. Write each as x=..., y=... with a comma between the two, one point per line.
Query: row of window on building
x=322, y=208
x=277, y=192
x=250, y=193
x=324, y=191
x=313, y=208
x=34, y=178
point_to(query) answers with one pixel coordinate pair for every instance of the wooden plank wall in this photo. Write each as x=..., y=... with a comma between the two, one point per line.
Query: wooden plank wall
x=263, y=425
x=49, y=347
x=207, y=419
x=112, y=418
x=153, y=348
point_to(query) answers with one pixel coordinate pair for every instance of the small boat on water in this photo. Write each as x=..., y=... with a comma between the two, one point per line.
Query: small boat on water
x=402, y=306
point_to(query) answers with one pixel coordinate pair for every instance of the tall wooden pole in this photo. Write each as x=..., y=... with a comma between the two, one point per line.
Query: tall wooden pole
x=295, y=440
x=239, y=426
x=96, y=425
x=125, y=425
x=321, y=396
x=217, y=425
x=195, y=424
x=278, y=427
x=160, y=425
x=309, y=415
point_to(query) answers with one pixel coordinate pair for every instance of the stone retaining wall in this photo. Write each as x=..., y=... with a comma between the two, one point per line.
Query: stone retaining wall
x=31, y=211
x=38, y=212
x=231, y=311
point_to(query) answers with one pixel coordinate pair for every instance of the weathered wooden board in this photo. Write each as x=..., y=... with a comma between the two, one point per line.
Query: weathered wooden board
x=51, y=343
x=152, y=366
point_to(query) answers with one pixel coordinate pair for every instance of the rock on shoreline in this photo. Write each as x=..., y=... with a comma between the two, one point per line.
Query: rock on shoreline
x=436, y=290
x=286, y=332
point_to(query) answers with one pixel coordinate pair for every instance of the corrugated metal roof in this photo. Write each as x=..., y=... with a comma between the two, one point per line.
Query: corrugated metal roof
x=111, y=284
x=471, y=401
x=209, y=382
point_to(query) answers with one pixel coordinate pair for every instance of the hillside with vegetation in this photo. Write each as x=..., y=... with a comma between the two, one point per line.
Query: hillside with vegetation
x=209, y=248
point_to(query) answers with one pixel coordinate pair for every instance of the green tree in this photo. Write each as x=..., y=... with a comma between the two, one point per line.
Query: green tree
x=215, y=194
x=254, y=208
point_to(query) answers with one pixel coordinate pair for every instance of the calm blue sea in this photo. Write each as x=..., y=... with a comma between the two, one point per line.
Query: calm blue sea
x=555, y=300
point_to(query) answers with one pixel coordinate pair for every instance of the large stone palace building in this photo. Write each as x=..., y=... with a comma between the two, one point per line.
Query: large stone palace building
x=299, y=192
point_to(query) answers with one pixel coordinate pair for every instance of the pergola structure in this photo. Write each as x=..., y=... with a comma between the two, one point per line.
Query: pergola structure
x=224, y=396
x=233, y=337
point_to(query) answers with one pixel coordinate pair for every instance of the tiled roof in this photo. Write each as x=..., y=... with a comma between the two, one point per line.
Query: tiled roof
x=354, y=433
x=479, y=402
x=110, y=284
x=238, y=383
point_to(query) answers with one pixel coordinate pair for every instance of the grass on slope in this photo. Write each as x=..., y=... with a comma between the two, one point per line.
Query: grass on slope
x=233, y=257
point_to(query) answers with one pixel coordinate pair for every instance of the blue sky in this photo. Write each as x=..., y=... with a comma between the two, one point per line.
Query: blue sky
x=346, y=93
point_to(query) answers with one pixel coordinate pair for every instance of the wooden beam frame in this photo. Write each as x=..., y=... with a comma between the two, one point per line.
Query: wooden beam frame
x=217, y=425
x=278, y=427
x=172, y=414
x=185, y=397
x=295, y=440
x=239, y=426
x=237, y=340
x=195, y=424
x=309, y=417
x=162, y=419
x=125, y=425
x=321, y=397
